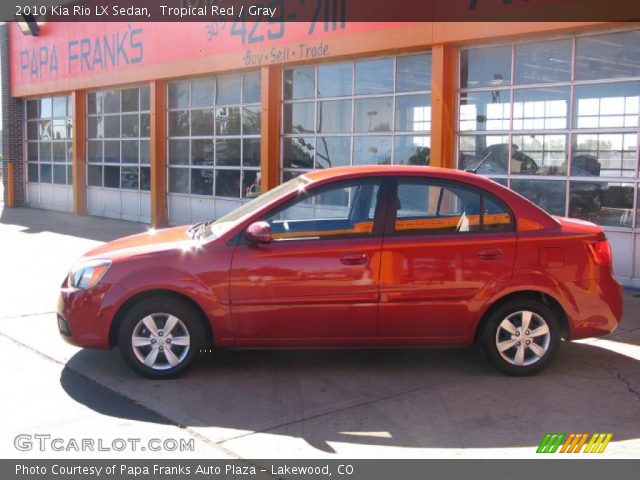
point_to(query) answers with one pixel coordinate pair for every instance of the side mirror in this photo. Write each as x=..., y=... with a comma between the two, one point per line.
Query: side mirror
x=259, y=232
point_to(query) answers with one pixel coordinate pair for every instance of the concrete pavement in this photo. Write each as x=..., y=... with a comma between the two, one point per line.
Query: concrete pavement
x=439, y=403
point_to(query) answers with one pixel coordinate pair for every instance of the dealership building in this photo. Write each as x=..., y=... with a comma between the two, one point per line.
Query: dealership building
x=172, y=123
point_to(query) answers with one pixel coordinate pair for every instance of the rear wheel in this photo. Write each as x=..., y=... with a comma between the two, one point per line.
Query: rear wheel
x=521, y=337
x=160, y=337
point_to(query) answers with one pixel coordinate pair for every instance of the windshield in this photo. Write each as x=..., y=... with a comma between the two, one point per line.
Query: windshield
x=258, y=202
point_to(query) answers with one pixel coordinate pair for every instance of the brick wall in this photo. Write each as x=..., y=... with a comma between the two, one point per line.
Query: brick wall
x=12, y=128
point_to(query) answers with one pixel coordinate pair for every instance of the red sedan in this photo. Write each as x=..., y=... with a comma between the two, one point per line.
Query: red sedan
x=351, y=257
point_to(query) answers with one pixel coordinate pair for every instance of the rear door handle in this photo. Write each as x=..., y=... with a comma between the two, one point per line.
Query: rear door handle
x=356, y=259
x=490, y=254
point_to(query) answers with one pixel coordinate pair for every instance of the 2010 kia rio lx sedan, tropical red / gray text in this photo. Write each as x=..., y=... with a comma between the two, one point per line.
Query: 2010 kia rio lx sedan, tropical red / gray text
x=351, y=257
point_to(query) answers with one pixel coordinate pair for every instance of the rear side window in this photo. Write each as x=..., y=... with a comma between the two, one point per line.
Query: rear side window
x=431, y=207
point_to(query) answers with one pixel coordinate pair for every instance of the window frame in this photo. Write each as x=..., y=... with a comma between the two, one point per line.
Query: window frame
x=377, y=230
x=391, y=215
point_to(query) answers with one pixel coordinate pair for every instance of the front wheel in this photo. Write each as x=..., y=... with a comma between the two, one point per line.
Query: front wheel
x=521, y=337
x=160, y=337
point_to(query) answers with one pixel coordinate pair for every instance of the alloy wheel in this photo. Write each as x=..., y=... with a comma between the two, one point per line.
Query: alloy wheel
x=523, y=338
x=160, y=341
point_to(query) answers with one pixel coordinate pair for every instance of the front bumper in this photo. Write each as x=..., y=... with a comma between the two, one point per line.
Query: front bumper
x=84, y=316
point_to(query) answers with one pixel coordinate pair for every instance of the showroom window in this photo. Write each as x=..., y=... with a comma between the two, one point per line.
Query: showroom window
x=118, y=139
x=214, y=136
x=49, y=130
x=557, y=121
x=374, y=111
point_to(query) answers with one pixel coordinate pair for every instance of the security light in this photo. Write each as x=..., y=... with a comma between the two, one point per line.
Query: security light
x=28, y=24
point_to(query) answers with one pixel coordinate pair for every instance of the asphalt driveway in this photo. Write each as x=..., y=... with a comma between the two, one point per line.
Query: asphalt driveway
x=441, y=403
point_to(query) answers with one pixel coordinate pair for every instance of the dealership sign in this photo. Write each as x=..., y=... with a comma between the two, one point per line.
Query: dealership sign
x=65, y=52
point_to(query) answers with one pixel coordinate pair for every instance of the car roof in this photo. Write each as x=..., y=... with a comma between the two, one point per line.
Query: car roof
x=395, y=170
x=376, y=170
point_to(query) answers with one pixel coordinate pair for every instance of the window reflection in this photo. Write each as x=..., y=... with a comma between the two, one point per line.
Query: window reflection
x=298, y=152
x=413, y=113
x=485, y=154
x=372, y=150
x=409, y=150
x=614, y=55
x=485, y=110
x=543, y=62
x=608, y=204
x=334, y=116
x=333, y=152
x=373, y=114
x=608, y=154
x=539, y=154
x=485, y=67
x=299, y=83
x=298, y=117
x=227, y=89
x=549, y=195
x=335, y=80
x=413, y=73
x=541, y=109
x=607, y=106
x=374, y=76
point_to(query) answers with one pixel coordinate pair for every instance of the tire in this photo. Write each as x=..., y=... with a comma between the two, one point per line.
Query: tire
x=161, y=354
x=507, y=327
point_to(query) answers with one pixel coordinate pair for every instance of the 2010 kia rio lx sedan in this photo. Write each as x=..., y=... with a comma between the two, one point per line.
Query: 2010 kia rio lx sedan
x=351, y=257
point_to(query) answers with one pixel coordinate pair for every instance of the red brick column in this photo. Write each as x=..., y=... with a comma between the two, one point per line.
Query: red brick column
x=14, y=177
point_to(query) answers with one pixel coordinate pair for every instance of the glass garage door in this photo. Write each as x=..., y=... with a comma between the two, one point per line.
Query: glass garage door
x=49, y=129
x=213, y=151
x=371, y=111
x=118, y=163
x=558, y=122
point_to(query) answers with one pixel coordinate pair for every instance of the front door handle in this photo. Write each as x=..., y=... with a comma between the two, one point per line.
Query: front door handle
x=356, y=259
x=490, y=254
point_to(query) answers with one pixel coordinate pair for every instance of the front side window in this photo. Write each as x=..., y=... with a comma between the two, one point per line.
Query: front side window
x=342, y=211
x=431, y=207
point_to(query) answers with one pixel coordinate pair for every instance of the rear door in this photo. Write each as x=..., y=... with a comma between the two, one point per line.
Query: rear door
x=446, y=246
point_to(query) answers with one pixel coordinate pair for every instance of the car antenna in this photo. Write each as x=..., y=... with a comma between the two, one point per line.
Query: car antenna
x=477, y=167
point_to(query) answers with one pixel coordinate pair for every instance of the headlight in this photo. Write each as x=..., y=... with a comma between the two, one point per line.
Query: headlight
x=86, y=275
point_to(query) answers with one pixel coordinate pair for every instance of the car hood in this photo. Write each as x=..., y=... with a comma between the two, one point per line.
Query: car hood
x=143, y=243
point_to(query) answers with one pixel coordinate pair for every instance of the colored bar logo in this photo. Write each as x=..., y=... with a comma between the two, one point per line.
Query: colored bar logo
x=573, y=442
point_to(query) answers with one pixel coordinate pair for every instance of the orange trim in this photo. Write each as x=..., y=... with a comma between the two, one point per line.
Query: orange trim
x=526, y=225
x=443, y=105
x=358, y=228
x=10, y=184
x=270, y=91
x=450, y=222
x=79, y=160
x=158, y=153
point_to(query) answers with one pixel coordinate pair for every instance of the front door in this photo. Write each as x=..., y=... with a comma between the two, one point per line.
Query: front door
x=318, y=278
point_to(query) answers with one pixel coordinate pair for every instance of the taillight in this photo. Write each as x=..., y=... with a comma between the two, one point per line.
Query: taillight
x=601, y=252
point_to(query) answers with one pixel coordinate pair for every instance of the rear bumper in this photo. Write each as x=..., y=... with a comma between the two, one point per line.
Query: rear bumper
x=84, y=316
x=597, y=306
